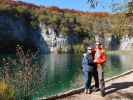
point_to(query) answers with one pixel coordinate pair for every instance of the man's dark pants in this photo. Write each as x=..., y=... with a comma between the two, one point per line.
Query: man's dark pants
x=95, y=75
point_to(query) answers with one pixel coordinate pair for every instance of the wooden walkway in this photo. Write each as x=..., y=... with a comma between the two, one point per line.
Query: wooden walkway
x=120, y=88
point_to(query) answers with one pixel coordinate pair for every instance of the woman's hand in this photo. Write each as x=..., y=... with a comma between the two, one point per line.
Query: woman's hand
x=95, y=61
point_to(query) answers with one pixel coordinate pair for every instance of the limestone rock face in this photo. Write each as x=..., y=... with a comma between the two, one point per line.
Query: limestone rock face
x=113, y=42
x=50, y=36
x=126, y=43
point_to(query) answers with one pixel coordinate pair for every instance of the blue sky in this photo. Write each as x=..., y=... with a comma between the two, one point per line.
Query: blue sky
x=103, y=5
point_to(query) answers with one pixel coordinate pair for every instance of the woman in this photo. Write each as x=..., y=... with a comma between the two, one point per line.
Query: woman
x=87, y=64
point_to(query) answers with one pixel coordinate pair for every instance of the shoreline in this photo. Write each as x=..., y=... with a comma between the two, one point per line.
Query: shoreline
x=79, y=90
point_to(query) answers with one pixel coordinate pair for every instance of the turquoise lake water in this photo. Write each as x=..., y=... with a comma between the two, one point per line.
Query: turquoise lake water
x=63, y=72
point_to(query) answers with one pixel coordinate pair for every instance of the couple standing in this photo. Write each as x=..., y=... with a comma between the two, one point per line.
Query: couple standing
x=92, y=64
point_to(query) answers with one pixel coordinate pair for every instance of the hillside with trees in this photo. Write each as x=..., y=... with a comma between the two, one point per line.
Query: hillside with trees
x=67, y=22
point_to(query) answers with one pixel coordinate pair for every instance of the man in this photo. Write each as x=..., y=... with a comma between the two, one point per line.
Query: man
x=95, y=73
x=100, y=59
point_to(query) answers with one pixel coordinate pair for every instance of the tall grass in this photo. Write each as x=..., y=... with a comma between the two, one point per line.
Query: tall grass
x=20, y=76
x=6, y=91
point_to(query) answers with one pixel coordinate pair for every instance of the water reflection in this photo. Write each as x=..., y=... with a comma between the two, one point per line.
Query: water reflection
x=115, y=42
x=126, y=61
x=63, y=72
x=60, y=72
x=113, y=65
x=115, y=62
x=118, y=63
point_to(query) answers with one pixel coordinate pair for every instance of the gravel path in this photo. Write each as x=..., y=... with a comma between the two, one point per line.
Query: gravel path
x=117, y=89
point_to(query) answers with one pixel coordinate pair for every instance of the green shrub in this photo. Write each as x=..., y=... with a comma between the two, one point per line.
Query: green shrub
x=79, y=48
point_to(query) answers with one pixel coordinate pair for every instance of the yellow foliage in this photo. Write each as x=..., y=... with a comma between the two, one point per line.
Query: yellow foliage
x=6, y=91
x=3, y=87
